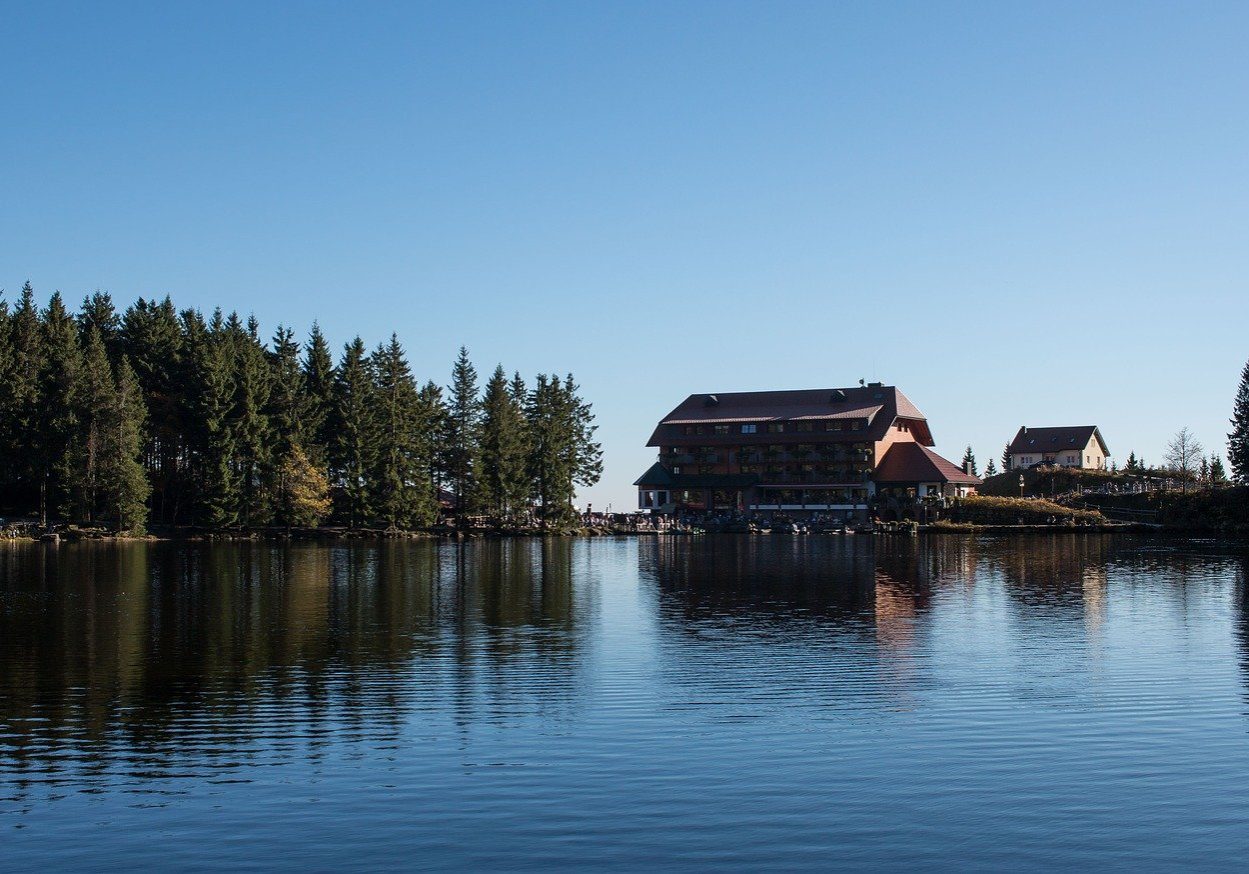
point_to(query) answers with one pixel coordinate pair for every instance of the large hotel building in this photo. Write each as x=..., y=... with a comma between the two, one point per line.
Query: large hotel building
x=833, y=451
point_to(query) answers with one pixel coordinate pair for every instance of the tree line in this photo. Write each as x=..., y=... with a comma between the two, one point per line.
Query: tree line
x=162, y=414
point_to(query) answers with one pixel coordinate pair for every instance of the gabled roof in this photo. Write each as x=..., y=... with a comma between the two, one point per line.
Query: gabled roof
x=1055, y=439
x=880, y=405
x=907, y=462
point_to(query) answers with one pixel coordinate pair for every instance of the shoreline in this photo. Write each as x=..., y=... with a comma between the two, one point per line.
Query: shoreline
x=890, y=529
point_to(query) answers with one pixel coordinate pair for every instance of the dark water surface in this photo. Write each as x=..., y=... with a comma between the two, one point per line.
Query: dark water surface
x=1075, y=700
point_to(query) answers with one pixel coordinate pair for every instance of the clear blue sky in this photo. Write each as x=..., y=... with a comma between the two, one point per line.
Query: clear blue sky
x=1017, y=214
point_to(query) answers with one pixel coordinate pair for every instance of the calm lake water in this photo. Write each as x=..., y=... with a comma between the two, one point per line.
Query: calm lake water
x=727, y=702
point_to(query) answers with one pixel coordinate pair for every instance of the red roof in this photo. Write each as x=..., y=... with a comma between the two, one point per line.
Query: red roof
x=879, y=404
x=912, y=463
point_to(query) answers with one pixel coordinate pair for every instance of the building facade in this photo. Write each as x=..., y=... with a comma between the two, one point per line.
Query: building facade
x=826, y=451
x=1079, y=446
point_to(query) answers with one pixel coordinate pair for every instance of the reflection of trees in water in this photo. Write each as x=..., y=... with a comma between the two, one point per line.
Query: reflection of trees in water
x=1062, y=572
x=143, y=653
x=1241, y=619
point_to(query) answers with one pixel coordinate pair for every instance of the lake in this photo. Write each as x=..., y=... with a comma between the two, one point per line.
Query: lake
x=718, y=702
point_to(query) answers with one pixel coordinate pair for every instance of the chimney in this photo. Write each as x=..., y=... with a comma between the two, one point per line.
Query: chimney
x=967, y=468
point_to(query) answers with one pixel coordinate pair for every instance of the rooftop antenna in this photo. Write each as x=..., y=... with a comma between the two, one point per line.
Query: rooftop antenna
x=861, y=382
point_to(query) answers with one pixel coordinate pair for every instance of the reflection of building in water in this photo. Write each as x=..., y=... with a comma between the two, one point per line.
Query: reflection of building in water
x=1094, y=585
x=812, y=577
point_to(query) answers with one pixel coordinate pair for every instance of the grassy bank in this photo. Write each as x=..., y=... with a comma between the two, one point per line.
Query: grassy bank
x=993, y=510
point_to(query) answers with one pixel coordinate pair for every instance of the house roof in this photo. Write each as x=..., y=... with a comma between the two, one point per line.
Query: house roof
x=1054, y=439
x=880, y=405
x=770, y=415
x=908, y=462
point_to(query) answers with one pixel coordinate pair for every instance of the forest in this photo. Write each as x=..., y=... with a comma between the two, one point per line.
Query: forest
x=162, y=416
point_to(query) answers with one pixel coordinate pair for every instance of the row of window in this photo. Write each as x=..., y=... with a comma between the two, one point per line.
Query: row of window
x=701, y=453
x=1028, y=460
x=776, y=427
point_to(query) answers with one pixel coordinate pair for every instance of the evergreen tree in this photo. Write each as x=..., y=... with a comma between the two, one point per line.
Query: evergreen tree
x=214, y=408
x=20, y=404
x=991, y=470
x=58, y=423
x=433, y=417
x=97, y=399
x=503, y=481
x=400, y=494
x=253, y=434
x=354, y=448
x=1238, y=440
x=1203, y=470
x=969, y=462
x=1217, y=473
x=1006, y=458
x=461, y=442
x=123, y=482
x=6, y=367
x=192, y=382
x=1132, y=466
x=98, y=312
x=562, y=452
x=318, y=405
x=287, y=398
x=588, y=462
x=151, y=338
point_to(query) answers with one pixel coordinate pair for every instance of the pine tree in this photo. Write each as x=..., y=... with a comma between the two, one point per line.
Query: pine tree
x=1006, y=458
x=400, y=494
x=432, y=416
x=1203, y=470
x=151, y=338
x=6, y=367
x=1217, y=473
x=58, y=424
x=503, y=482
x=969, y=462
x=214, y=408
x=1238, y=440
x=562, y=452
x=991, y=470
x=98, y=312
x=253, y=434
x=285, y=407
x=318, y=405
x=461, y=442
x=354, y=446
x=21, y=404
x=1132, y=466
x=123, y=483
x=97, y=398
x=193, y=343
x=588, y=463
